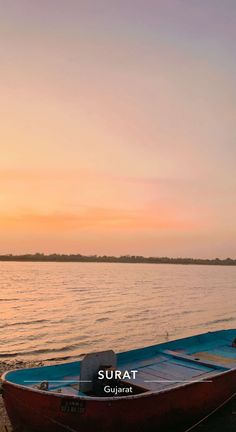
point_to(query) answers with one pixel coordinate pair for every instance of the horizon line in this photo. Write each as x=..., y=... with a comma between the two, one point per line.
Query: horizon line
x=77, y=257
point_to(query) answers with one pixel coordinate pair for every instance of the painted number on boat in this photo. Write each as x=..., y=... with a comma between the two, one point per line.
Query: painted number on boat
x=70, y=406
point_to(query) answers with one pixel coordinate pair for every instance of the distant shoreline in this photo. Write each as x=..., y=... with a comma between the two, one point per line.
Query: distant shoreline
x=132, y=259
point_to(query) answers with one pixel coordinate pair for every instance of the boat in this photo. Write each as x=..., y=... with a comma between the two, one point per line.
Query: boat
x=175, y=385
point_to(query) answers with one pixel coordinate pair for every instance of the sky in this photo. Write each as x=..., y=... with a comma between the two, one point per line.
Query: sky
x=117, y=131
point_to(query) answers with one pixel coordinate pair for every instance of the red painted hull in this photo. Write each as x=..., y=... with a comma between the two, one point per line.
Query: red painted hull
x=169, y=410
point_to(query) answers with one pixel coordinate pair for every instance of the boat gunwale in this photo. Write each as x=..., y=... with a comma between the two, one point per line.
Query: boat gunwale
x=147, y=393
x=110, y=398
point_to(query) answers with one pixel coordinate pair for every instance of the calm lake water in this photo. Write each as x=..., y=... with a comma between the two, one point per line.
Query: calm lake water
x=52, y=311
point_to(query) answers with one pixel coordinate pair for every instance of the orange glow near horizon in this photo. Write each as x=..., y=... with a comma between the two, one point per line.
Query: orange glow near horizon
x=119, y=144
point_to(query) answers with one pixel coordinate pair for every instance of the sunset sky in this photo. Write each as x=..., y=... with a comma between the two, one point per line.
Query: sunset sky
x=118, y=127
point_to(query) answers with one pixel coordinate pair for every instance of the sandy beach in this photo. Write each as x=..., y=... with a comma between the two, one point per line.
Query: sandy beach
x=4, y=422
x=5, y=425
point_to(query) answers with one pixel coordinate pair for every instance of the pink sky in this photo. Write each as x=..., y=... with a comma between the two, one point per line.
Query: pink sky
x=118, y=127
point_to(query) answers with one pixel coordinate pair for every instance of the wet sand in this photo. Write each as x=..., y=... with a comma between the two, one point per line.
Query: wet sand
x=222, y=420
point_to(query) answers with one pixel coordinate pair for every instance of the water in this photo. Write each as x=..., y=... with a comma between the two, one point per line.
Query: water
x=52, y=311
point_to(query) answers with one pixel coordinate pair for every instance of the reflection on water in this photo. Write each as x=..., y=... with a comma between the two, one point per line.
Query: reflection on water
x=62, y=310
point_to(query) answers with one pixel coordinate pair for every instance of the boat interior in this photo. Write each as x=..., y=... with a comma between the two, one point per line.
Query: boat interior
x=159, y=367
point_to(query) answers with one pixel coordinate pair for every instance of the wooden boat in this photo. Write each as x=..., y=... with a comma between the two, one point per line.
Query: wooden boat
x=177, y=383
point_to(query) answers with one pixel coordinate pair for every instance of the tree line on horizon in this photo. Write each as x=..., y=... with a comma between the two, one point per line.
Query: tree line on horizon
x=113, y=259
